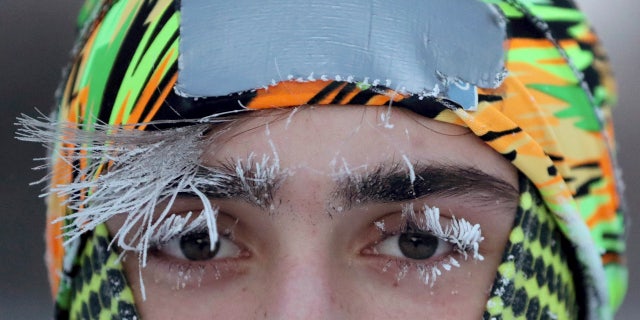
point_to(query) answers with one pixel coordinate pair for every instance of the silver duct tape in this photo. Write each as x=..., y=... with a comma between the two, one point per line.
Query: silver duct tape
x=418, y=47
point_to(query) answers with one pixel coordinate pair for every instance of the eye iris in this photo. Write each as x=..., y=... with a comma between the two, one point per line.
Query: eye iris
x=196, y=247
x=418, y=246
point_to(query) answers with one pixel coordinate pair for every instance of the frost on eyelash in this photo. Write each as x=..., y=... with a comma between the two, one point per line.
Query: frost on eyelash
x=463, y=235
x=178, y=225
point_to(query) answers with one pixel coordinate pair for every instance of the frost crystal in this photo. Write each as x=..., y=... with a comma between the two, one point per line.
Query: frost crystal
x=465, y=238
x=119, y=170
x=462, y=234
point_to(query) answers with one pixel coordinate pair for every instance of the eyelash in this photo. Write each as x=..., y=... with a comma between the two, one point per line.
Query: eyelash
x=181, y=274
x=463, y=237
x=460, y=234
x=176, y=226
x=180, y=271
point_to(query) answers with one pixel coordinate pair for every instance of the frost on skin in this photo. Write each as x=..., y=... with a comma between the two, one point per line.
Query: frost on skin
x=385, y=117
x=290, y=117
x=340, y=171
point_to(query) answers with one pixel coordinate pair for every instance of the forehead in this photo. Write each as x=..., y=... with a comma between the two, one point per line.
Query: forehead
x=329, y=140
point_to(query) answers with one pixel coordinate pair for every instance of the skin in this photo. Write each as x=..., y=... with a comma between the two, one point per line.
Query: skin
x=310, y=256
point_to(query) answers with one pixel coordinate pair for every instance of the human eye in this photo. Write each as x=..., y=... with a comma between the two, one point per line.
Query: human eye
x=181, y=254
x=425, y=242
x=196, y=246
x=413, y=244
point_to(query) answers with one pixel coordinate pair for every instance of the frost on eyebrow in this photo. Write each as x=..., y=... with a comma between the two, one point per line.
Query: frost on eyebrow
x=118, y=170
x=254, y=180
x=357, y=185
x=397, y=181
x=342, y=172
x=342, y=169
x=412, y=172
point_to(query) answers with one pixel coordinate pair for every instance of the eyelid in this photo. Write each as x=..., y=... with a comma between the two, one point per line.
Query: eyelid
x=392, y=226
x=171, y=248
x=177, y=272
x=390, y=247
x=187, y=217
x=463, y=239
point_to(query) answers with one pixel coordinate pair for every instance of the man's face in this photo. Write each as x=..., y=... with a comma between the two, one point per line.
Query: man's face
x=330, y=214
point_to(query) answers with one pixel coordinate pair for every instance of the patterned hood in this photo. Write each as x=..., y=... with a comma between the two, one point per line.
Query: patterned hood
x=540, y=93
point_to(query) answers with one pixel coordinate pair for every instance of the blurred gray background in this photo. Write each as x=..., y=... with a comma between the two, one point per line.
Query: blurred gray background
x=35, y=39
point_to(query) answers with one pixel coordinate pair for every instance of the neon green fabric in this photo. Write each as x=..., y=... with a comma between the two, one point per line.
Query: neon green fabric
x=536, y=278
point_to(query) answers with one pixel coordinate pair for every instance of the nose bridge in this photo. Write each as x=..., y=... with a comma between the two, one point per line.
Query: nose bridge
x=304, y=268
x=302, y=282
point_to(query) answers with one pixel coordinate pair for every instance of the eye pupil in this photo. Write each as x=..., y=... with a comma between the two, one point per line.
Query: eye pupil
x=197, y=246
x=418, y=246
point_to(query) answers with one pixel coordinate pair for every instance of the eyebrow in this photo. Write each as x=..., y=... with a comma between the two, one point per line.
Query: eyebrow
x=386, y=183
x=253, y=182
x=393, y=183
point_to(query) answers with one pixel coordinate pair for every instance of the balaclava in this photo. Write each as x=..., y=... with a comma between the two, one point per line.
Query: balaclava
x=529, y=78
